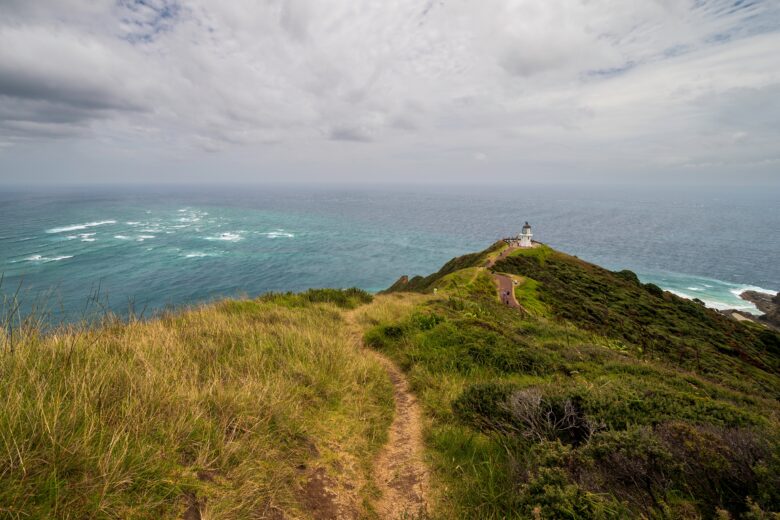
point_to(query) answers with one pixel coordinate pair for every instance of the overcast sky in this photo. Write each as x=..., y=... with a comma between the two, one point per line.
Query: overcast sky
x=389, y=91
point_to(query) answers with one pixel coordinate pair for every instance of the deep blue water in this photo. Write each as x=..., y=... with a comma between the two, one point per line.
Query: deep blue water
x=163, y=246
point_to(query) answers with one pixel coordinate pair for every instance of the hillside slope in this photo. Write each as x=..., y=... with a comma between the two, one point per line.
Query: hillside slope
x=601, y=398
x=262, y=408
x=596, y=397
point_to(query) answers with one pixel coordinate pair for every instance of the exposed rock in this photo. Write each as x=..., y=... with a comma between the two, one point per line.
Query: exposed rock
x=766, y=303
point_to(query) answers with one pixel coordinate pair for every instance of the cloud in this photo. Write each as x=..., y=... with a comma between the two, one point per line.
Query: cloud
x=346, y=133
x=555, y=82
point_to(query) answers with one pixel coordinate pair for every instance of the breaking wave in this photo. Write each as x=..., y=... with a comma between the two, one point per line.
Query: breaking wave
x=199, y=254
x=76, y=227
x=45, y=259
x=279, y=233
x=228, y=237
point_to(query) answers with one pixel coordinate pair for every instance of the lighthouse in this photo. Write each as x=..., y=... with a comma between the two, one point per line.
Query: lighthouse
x=525, y=236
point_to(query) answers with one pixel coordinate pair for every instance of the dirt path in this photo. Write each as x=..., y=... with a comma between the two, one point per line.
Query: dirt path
x=506, y=290
x=399, y=469
x=506, y=252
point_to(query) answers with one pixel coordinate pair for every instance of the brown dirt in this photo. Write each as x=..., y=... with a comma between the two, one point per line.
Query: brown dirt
x=319, y=499
x=326, y=497
x=506, y=252
x=399, y=472
x=505, y=286
x=193, y=511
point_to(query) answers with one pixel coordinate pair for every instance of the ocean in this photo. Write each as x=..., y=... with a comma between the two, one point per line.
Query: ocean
x=155, y=248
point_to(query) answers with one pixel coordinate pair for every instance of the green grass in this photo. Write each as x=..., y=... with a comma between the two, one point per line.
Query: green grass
x=527, y=295
x=230, y=405
x=658, y=324
x=556, y=414
x=607, y=399
x=426, y=284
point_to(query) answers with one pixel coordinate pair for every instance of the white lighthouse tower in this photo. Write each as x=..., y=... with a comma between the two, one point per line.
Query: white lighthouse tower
x=525, y=236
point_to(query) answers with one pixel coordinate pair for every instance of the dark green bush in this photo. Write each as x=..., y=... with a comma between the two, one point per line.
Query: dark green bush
x=382, y=336
x=531, y=413
x=629, y=276
x=426, y=321
x=483, y=406
x=649, y=467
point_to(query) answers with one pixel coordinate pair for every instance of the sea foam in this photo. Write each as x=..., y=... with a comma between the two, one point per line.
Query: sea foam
x=279, y=233
x=76, y=227
x=44, y=259
x=198, y=254
x=228, y=237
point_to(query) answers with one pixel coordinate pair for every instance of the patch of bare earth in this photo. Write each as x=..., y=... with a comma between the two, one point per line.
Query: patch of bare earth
x=399, y=472
x=319, y=498
x=329, y=496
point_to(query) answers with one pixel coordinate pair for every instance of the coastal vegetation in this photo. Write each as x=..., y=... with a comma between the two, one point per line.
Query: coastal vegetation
x=600, y=397
x=239, y=409
x=604, y=398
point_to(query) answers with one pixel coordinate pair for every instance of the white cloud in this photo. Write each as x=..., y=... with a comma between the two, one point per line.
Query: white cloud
x=573, y=85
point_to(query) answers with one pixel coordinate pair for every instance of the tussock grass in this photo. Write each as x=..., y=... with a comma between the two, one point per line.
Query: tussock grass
x=223, y=407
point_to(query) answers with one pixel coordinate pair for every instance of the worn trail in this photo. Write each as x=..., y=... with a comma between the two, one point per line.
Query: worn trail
x=399, y=470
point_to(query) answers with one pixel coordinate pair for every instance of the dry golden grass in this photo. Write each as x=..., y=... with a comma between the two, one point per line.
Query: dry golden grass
x=390, y=308
x=225, y=408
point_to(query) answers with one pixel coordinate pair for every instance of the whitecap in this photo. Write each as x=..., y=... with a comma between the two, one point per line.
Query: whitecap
x=699, y=289
x=44, y=259
x=229, y=237
x=198, y=254
x=121, y=237
x=141, y=238
x=75, y=227
x=279, y=233
x=132, y=223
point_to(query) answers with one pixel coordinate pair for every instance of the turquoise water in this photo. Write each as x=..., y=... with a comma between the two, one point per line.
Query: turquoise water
x=153, y=248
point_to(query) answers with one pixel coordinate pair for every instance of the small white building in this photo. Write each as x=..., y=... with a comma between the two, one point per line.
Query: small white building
x=524, y=239
x=525, y=236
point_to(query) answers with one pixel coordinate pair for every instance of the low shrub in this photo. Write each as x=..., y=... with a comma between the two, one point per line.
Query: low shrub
x=531, y=413
x=483, y=406
x=344, y=298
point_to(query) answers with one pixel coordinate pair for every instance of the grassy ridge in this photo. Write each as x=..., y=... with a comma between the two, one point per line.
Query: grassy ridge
x=656, y=323
x=557, y=414
x=226, y=408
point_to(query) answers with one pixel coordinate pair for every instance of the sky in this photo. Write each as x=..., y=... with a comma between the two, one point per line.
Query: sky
x=440, y=91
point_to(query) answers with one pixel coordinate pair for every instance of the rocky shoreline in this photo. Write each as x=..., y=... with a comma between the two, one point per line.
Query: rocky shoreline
x=766, y=303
